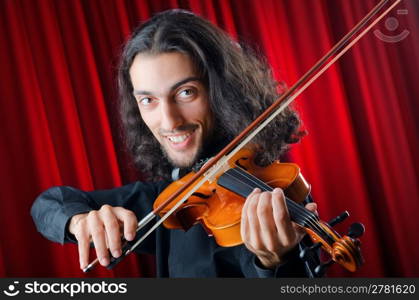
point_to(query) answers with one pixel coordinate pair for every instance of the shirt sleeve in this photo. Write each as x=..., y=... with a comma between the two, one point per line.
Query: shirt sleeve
x=53, y=209
x=293, y=267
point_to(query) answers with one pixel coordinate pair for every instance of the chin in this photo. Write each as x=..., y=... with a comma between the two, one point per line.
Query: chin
x=180, y=160
x=182, y=163
x=184, y=159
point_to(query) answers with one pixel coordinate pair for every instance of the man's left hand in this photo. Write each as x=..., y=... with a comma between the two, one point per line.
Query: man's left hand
x=266, y=228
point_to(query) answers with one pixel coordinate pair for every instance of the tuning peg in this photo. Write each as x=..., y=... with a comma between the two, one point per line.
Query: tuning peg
x=356, y=230
x=338, y=219
x=320, y=270
x=304, y=253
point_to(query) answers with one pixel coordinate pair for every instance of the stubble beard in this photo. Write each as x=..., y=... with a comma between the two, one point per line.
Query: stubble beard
x=187, y=162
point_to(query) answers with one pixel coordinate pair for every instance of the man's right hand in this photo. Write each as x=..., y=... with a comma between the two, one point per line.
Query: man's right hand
x=104, y=227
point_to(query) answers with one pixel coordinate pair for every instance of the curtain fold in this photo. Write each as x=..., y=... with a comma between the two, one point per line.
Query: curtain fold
x=59, y=117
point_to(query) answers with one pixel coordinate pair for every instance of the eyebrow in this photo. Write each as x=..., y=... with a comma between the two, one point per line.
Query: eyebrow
x=173, y=87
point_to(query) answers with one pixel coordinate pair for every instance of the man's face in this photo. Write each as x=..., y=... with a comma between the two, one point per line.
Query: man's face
x=173, y=103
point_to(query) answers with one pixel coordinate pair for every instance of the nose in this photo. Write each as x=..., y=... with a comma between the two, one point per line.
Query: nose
x=170, y=116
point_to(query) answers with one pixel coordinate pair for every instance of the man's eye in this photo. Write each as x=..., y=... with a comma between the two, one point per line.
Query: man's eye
x=145, y=101
x=186, y=92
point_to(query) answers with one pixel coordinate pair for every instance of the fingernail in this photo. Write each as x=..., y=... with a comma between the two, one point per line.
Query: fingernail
x=130, y=236
x=104, y=261
x=116, y=253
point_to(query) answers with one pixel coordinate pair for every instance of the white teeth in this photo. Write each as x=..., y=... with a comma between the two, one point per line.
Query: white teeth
x=178, y=138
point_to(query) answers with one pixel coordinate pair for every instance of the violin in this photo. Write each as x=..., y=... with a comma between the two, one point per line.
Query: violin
x=218, y=203
x=214, y=193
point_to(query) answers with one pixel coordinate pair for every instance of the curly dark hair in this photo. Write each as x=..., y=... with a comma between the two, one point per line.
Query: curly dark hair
x=240, y=87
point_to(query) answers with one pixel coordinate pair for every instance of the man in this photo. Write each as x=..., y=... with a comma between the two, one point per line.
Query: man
x=186, y=89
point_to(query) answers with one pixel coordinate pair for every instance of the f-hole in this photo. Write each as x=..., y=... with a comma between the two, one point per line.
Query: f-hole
x=240, y=165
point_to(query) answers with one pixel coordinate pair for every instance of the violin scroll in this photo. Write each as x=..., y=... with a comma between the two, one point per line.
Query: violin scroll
x=344, y=251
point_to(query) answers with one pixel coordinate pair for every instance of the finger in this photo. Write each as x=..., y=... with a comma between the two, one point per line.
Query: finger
x=97, y=232
x=129, y=221
x=268, y=233
x=299, y=230
x=312, y=207
x=83, y=243
x=244, y=226
x=244, y=220
x=253, y=194
x=283, y=223
x=253, y=223
x=112, y=230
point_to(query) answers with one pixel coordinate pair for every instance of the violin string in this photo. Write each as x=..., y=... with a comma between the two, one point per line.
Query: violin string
x=296, y=208
x=263, y=186
x=311, y=218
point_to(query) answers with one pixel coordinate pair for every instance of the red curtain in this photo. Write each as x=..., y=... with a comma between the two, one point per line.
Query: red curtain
x=59, y=123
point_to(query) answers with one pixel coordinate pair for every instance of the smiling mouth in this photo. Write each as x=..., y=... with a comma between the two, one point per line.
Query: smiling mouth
x=180, y=138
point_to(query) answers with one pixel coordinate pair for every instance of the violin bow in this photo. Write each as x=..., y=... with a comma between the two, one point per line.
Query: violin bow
x=215, y=165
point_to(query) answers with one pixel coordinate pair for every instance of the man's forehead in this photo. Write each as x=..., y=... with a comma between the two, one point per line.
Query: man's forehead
x=160, y=72
x=171, y=88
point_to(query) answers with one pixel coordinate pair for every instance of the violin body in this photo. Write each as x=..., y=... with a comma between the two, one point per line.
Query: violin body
x=218, y=208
